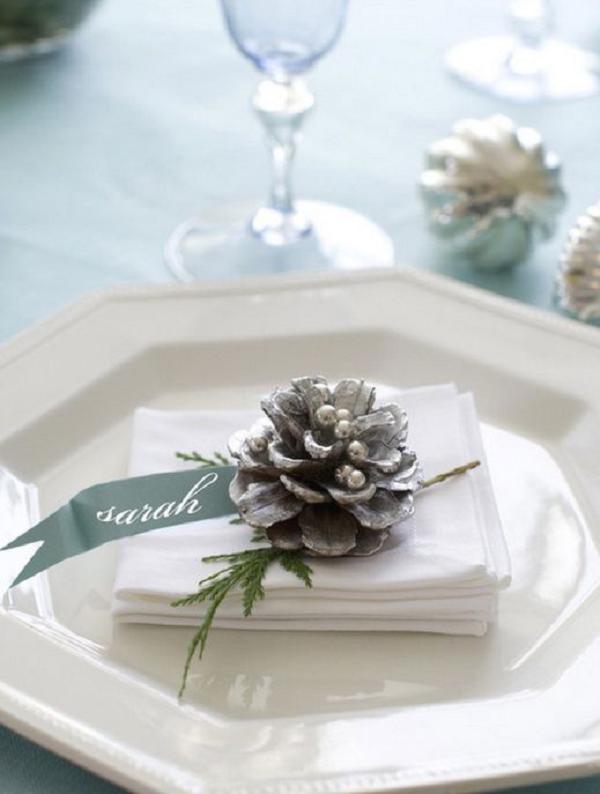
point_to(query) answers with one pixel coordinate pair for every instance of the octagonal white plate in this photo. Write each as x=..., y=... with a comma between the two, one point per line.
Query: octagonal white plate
x=277, y=713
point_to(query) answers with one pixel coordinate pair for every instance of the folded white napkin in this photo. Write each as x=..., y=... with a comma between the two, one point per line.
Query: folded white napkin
x=439, y=571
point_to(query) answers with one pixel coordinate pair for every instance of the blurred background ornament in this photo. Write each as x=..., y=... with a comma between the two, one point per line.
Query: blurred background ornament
x=492, y=190
x=578, y=281
x=34, y=27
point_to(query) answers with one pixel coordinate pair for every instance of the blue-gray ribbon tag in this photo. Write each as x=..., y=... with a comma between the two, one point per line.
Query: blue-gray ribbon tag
x=123, y=508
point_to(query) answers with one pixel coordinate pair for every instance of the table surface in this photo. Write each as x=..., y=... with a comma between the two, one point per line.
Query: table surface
x=144, y=119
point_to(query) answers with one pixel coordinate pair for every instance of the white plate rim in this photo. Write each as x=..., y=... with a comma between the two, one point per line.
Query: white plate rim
x=99, y=755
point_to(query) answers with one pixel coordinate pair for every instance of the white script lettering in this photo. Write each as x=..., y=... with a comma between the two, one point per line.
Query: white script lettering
x=189, y=504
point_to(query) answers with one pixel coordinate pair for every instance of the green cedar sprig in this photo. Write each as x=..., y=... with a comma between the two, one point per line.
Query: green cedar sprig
x=218, y=458
x=246, y=572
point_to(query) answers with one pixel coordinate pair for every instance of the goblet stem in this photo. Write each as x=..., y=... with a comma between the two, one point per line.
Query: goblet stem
x=282, y=108
x=531, y=23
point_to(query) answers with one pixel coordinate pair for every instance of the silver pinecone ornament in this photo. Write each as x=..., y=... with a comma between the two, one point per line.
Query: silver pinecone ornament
x=492, y=191
x=578, y=281
x=325, y=470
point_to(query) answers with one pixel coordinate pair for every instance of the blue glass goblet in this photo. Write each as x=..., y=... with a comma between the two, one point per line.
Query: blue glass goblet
x=530, y=64
x=283, y=39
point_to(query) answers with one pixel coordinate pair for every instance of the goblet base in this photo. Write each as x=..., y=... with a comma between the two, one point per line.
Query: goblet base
x=498, y=65
x=222, y=246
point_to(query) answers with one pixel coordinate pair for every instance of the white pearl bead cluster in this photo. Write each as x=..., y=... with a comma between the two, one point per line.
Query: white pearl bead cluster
x=326, y=416
x=350, y=477
x=258, y=444
x=341, y=420
x=357, y=451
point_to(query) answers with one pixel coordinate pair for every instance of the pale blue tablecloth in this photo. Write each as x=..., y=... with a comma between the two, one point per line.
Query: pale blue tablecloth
x=145, y=118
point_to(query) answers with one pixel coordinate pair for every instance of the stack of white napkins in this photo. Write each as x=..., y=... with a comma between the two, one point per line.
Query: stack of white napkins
x=439, y=571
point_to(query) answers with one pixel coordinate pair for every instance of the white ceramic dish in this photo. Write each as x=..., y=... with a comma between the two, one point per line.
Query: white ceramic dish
x=272, y=713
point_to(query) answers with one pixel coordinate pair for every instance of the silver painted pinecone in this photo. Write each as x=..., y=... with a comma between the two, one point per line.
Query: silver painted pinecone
x=578, y=281
x=325, y=470
x=492, y=190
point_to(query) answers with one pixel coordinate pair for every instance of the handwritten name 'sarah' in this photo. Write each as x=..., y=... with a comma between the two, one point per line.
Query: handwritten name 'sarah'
x=131, y=515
